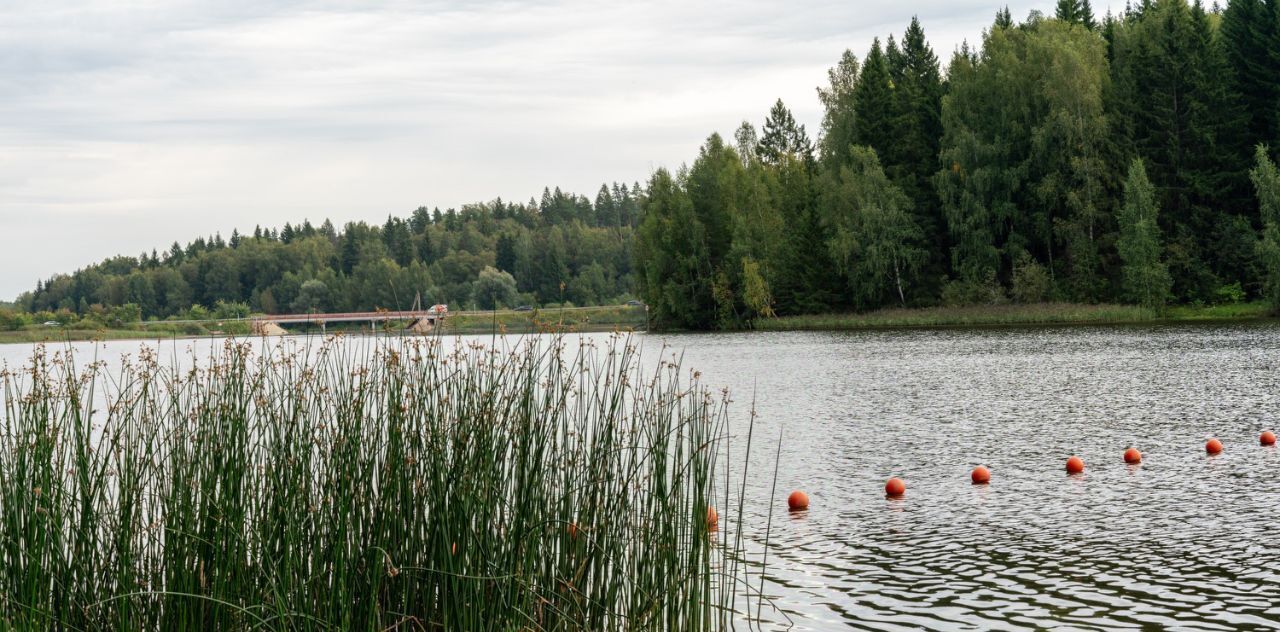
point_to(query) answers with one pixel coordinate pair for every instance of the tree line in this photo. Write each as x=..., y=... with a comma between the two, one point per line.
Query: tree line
x=562, y=249
x=1066, y=157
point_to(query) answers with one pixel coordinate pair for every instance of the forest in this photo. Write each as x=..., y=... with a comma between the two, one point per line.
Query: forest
x=1066, y=158
x=1071, y=158
x=561, y=250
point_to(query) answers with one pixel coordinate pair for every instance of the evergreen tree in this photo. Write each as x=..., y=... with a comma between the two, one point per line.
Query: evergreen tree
x=1076, y=12
x=873, y=126
x=1004, y=19
x=917, y=131
x=1179, y=117
x=1250, y=32
x=673, y=274
x=1146, y=279
x=782, y=136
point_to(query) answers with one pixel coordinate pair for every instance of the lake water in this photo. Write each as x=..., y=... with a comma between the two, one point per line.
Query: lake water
x=1182, y=541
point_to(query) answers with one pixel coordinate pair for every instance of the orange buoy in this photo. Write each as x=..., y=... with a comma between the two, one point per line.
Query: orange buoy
x=1267, y=438
x=1213, y=446
x=573, y=530
x=895, y=487
x=1132, y=456
x=980, y=475
x=1075, y=465
x=798, y=500
x=454, y=550
x=713, y=518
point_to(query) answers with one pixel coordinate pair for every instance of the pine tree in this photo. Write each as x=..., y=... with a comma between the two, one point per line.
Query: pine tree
x=1146, y=278
x=782, y=136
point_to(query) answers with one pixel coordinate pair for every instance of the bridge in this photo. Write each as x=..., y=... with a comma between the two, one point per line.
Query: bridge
x=419, y=320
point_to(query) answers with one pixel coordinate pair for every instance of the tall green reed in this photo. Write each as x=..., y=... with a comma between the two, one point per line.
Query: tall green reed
x=354, y=485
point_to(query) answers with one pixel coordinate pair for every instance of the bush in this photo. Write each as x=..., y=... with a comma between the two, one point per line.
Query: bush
x=986, y=291
x=1230, y=294
x=1031, y=282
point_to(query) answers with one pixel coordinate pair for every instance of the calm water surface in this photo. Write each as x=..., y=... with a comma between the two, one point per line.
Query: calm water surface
x=1182, y=541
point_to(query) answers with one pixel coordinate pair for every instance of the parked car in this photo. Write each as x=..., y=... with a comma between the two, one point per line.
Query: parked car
x=525, y=308
x=52, y=323
x=634, y=303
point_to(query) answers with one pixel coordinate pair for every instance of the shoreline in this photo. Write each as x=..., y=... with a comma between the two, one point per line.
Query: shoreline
x=970, y=317
x=1034, y=315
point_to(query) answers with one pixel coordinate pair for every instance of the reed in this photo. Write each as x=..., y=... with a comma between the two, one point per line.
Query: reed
x=400, y=485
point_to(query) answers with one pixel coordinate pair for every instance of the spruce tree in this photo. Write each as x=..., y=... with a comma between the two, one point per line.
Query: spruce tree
x=1004, y=19
x=1250, y=34
x=874, y=96
x=1146, y=279
x=917, y=133
x=1076, y=12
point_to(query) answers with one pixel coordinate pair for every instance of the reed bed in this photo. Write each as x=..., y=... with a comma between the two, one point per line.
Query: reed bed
x=400, y=485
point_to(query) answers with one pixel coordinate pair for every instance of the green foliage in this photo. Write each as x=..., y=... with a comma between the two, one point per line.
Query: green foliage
x=1266, y=182
x=365, y=488
x=494, y=289
x=873, y=236
x=1031, y=281
x=783, y=137
x=562, y=240
x=1231, y=294
x=839, y=129
x=1146, y=278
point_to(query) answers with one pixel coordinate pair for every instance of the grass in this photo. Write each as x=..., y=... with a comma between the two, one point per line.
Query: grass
x=351, y=485
x=995, y=315
x=603, y=318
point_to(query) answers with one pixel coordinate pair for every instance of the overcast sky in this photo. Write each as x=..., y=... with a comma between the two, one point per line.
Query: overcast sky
x=128, y=124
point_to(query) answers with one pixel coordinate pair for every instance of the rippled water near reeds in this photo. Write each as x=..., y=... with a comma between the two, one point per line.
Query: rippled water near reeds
x=1182, y=541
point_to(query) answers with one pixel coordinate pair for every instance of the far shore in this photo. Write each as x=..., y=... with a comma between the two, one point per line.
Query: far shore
x=1035, y=315
x=611, y=318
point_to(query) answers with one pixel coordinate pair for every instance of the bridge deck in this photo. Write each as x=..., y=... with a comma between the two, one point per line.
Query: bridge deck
x=349, y=317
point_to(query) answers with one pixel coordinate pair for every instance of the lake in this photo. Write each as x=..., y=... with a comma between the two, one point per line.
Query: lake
x=1183, y=540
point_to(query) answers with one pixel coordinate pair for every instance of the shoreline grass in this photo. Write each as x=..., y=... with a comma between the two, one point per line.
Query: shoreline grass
x=1040, y=314
x=362, y=485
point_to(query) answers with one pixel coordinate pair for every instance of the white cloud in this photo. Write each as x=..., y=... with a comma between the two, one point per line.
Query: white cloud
x=127, y=125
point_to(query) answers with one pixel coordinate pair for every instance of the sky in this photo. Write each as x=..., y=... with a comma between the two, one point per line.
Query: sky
x=126, y=125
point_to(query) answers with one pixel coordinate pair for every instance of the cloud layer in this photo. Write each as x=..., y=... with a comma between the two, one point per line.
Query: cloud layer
x=128, y=124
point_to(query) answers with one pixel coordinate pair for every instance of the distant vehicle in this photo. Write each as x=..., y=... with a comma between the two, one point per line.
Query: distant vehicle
x=634, y=304
x=525, y=308
x=438, y=309
x=52, y=323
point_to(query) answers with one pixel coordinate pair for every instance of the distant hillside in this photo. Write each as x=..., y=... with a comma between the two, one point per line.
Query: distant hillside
x=561, y=249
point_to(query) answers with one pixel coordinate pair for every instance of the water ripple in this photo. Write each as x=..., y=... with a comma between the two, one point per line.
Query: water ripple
x=1182, y=541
